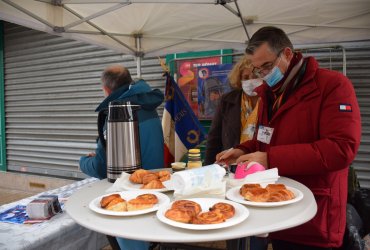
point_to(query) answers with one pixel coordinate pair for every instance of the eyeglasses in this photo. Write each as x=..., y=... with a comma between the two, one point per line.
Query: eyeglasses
x=266, y=68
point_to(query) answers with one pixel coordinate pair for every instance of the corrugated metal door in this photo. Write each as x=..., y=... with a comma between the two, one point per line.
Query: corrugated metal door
x=52, y=87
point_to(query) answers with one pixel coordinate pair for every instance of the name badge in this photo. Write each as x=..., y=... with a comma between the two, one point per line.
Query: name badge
x=264, y=134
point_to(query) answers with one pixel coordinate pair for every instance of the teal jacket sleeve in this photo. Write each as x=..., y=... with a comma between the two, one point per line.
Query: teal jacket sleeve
x=95, y=166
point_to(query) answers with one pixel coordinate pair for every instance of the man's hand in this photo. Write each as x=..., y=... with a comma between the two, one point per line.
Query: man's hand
x=260, y=157
x=229, y=156
x=91, y=154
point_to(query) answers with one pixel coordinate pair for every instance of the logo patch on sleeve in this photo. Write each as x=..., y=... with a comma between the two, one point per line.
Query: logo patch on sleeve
x=345, y=107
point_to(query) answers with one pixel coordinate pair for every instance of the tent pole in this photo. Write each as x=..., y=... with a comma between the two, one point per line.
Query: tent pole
x=29, y=13
x=237, y=13
x=138, y=66
x=242, y=20
x=139, y=54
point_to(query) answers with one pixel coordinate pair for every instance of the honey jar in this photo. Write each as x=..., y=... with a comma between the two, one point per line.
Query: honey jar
x=194, y=158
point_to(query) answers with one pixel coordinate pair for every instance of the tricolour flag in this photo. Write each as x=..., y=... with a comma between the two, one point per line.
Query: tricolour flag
x=181, y=128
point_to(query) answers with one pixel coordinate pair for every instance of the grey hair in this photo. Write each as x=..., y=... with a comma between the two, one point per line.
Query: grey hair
x=276, y=38
x=116, y=76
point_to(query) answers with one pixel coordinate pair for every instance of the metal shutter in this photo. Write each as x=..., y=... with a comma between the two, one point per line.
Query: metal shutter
x=52, y=87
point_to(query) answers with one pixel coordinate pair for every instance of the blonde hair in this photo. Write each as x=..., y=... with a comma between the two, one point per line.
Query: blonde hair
x=236, y=72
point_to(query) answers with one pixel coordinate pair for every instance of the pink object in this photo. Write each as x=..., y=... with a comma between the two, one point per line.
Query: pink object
x=242, y=170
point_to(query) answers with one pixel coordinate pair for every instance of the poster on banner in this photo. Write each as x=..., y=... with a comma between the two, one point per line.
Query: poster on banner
x=187, y=78
x=212, y=84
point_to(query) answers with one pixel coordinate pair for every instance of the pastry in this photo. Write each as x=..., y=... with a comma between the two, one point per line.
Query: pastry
x=149, y=177
x=247, y=187
x=138, y=204
x=179, y=215
x=188, y=205
x=280, y=195
x=211, y=217
x=137, y=176
x=151, y=198
x=117, y=204
x=153, y=184
x=106, y=199
x=274, y=187
x=164, y=175
x=257, y=194
x=226, y=209
x=272, y=193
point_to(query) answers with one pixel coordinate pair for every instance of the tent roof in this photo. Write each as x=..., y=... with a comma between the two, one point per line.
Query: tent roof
x=148, y=27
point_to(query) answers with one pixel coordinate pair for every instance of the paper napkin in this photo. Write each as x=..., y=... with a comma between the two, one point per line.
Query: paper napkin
x=206, y=181
x=269, y=176
x=118, y=185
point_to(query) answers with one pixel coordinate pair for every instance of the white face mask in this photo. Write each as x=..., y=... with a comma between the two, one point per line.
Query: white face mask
x=249, y=85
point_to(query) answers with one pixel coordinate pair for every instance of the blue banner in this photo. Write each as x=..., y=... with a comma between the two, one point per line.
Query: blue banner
x=187, y=125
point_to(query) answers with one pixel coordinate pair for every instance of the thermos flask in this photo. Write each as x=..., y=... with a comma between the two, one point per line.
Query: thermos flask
x=122, y=138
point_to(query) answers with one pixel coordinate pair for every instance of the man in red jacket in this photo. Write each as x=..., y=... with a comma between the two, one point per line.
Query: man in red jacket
x=309, y=128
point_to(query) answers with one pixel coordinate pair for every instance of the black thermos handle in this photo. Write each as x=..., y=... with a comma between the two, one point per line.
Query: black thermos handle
x=102, y=116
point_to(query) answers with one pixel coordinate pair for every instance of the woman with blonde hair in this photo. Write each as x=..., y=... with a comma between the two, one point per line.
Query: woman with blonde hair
x=236, y=116
x=235, y=121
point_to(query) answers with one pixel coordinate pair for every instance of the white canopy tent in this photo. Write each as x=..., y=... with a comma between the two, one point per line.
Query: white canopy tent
x=149, y=28
x=144, y=29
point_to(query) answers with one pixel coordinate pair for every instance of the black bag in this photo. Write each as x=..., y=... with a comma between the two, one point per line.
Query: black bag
x=362, y=205
x=354, y=231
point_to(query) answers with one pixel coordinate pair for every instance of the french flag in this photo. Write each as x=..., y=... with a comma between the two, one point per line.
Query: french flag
x=181, y=128
x=345, y=107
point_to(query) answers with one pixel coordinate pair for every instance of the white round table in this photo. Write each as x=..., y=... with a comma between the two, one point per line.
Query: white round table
x=147, y=227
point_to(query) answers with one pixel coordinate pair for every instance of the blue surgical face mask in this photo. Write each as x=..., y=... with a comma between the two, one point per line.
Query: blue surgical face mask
x=273, y=77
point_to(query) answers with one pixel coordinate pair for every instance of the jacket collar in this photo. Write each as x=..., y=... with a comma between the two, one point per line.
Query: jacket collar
x=113, y=96
x=304, y=89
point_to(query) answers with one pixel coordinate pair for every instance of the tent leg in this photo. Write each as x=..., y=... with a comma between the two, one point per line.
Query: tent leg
x=139, y=54
x=138, y=66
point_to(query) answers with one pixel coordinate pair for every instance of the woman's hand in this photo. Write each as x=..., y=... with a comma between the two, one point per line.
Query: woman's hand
x=229, y=156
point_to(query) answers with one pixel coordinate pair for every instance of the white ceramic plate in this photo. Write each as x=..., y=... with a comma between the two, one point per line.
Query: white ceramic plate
x=128, y=195
x=234, y=195
x=241, y=213
x=128, y=185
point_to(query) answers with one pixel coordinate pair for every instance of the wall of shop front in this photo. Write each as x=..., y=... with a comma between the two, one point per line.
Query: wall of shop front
x=52, y=88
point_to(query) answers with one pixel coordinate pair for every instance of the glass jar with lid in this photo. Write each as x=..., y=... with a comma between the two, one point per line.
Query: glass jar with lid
x=194, y=158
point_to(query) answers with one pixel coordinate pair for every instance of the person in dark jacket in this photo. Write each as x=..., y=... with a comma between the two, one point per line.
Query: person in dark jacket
x=235, y=120
x=236, y=116
x=118, y=85
x=309, y=128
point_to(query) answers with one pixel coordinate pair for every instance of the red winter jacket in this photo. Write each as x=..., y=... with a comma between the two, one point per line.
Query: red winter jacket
x=314, y=141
